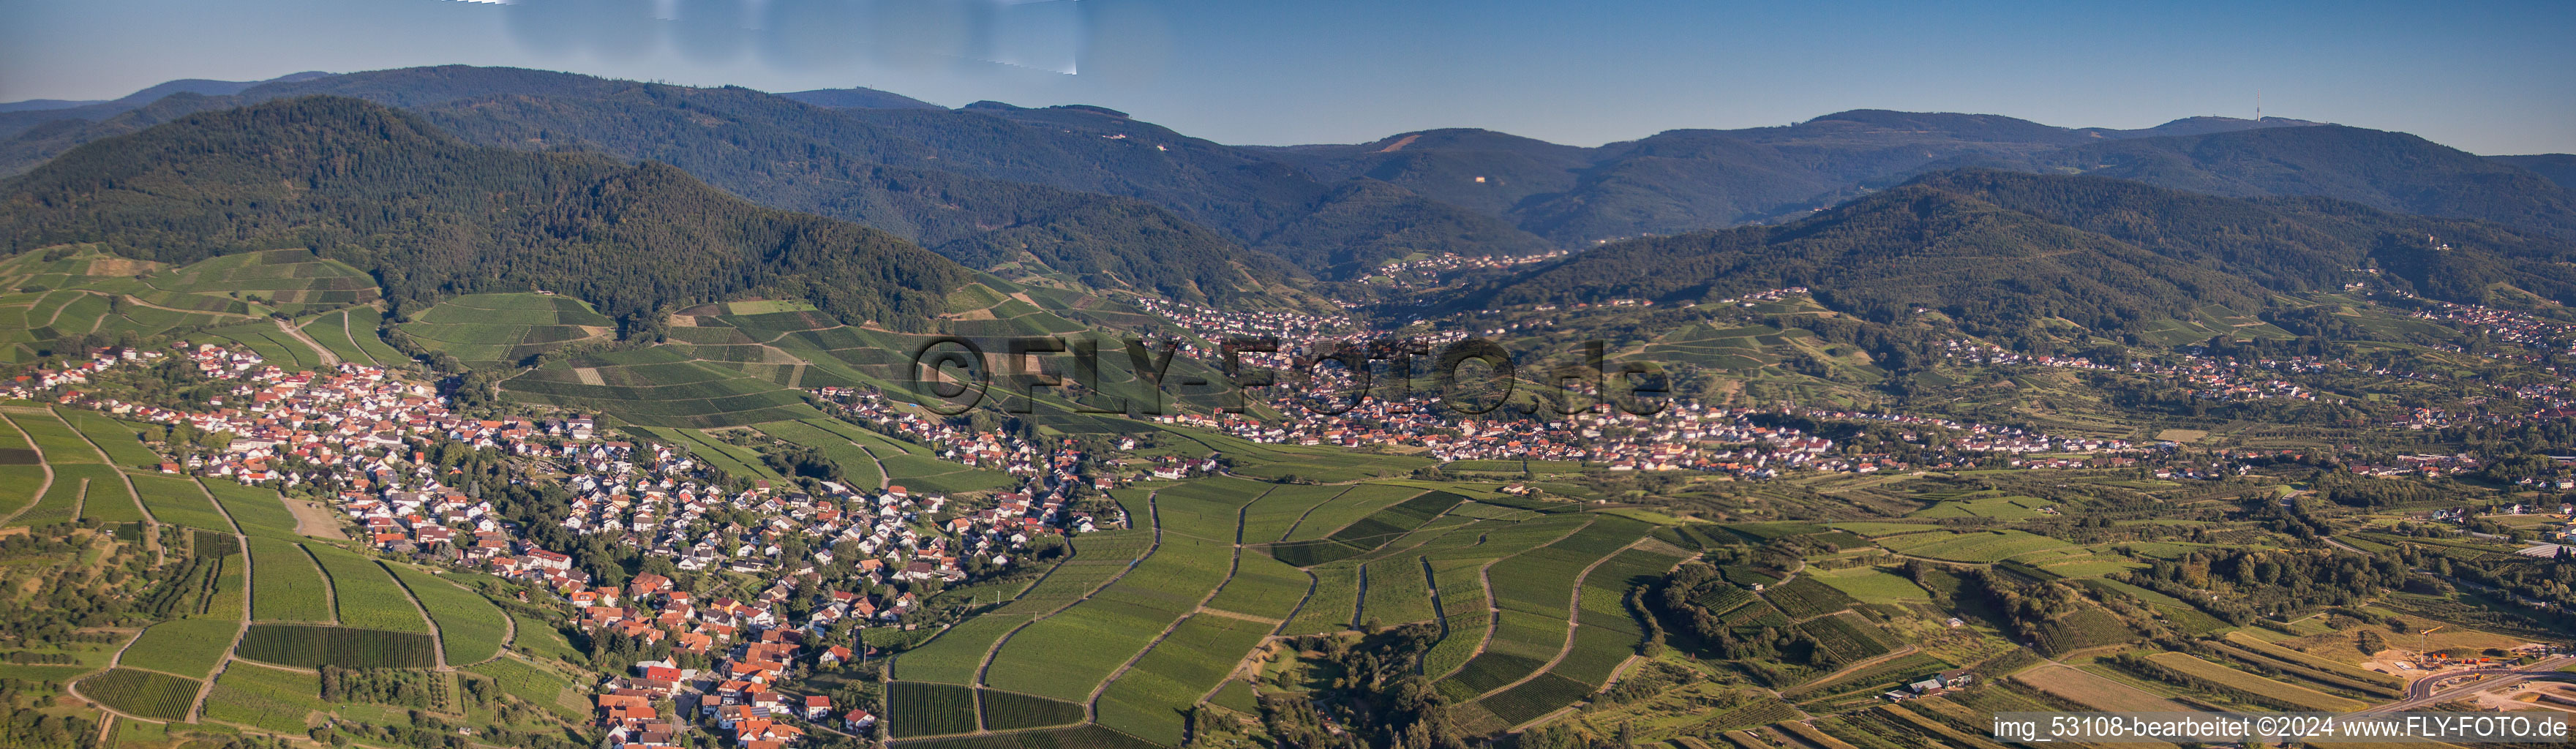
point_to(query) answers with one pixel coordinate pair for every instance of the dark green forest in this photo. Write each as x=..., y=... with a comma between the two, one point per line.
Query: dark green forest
x=431, y=216
x=1996, y=251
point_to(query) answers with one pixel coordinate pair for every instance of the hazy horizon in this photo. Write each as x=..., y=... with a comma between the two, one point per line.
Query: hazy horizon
x=2489, y=79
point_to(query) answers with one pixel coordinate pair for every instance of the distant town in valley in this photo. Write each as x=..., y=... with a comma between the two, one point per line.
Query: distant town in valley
x=474, y=407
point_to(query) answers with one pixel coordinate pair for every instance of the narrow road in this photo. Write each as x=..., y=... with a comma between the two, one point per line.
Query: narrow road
x=1494, y=609
x=437, y=644
x=329, y=360
x=1237, y=564
x=987, y=665
x=1909, y=649
x=330, y=595
x=242, y=541
x=40, y=463
x=1574, y=613
x=151, y=525
x=2425, y=691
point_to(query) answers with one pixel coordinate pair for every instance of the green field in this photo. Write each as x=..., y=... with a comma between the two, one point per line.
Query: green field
x=2302, y=697
x=1982, y=547
x=266, y=698
x=660, y=387
x=313, y=646
x=62, y=500
x=536, y=686
x=470, y=628
x=178, y=502
x=143, y=693
x=1066, y=655
x=916, y=709
x=1005, y=711
x=504, y=328
x=367, y=595
x=1872, y=585
x=111, y=436
x=1151, y=699
x=857, y=464
x=1332, y=605
x=285, y=584
x=183, y=647
x=259, y=511
x=957, y=654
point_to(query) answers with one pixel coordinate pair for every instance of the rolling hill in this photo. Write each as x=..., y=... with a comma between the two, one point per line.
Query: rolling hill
x=429, y=216
x=18, y=117
x=968, y=167
x=790, y=155
x=1086, y=188
x=2389, y=171
x=2558, y=167
x=1997, y=251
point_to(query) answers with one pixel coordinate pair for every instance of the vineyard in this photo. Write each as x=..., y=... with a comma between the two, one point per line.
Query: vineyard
x=916, y=709
x=184, y=647
x=144, y=693
x=1805, y=597
x=368, y=596
x=267, y=698
x=1847, y=637
x=2297, y=696
x=471, y=628
x=285, y=583
x=311, y=646
x=1008, y=711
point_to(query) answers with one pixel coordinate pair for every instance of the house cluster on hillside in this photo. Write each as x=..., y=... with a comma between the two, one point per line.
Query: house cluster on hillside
x=1217, y=325
x=2212, y=378
x=737, y=698
x=1684, y=436
x=2517, y=328
x=27, y=386
x=993, y=450
x=1427, y=272
x=368, y=432
x=352, y=421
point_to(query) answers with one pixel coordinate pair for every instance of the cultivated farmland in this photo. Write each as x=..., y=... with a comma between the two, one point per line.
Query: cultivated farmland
x=273, y=699
x=179, y=502
x=285, y=584
x=1005, y=711
x=2302, y=697
x=469, y=626
x=917, y=709
x=2098, y=692
x=1149, y=700
x=143, y=693
x=314, y=646
x=184, y=647
x=367, y=595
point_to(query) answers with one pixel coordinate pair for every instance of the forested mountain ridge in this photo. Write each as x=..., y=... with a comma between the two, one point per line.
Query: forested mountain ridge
x=2385, y=170
x=1482, y=170
x=858, y=98
x=17, y=117
x=1996, y=251
x=1267, y=204
x=430, y=216
x=946, y=177
x=799, y=157
x=2558, y=167
x=794, y=156
x=1686, y=179
x=1363, y=222
x=1992, y=269
x=2292, y=244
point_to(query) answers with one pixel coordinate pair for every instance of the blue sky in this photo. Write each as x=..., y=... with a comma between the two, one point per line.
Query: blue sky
x=2487, y=77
